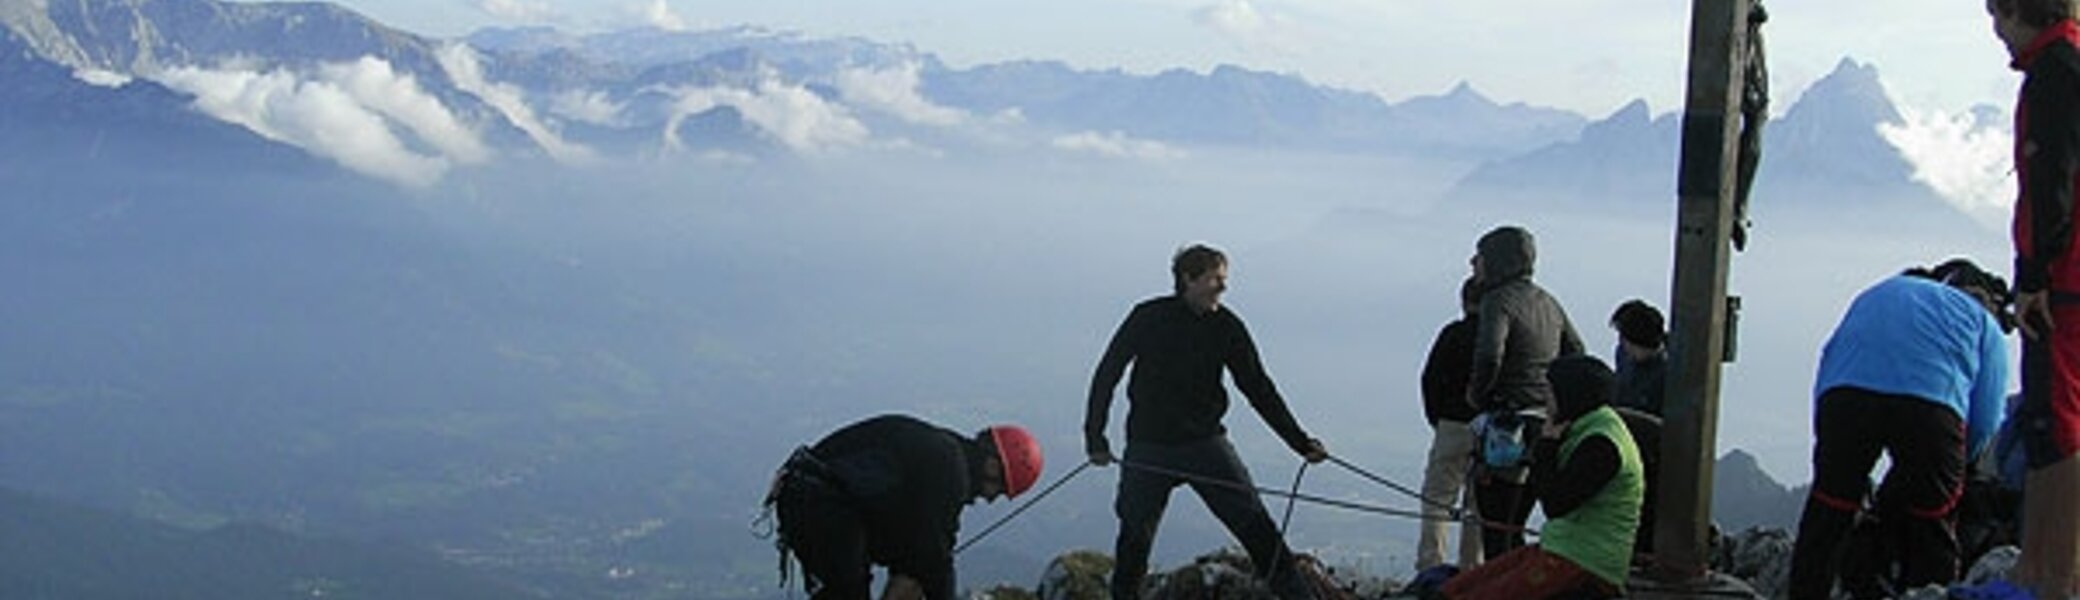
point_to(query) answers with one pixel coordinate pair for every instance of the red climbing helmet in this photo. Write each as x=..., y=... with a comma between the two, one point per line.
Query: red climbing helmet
x=1021, y=458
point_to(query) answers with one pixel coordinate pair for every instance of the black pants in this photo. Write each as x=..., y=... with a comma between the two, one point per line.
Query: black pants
x=1913, y=505
x=826, y=534
x=1144, y=494
x=1502, y=501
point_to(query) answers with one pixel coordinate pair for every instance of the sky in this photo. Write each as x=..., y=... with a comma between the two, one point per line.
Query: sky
x=1589, y=56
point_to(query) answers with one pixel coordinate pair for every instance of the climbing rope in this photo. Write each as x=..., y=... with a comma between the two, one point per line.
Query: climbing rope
x=1022, y=507
x=1310, y=498
x=1290, y=500
x=1292, y=496
x=1456, y=512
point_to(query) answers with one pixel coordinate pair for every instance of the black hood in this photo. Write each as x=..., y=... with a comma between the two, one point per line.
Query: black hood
x=1581, y=383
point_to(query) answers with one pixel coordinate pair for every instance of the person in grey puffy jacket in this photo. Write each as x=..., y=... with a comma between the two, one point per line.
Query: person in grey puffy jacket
x=1522, y=328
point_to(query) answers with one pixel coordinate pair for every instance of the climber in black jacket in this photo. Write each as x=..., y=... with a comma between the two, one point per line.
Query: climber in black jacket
x=889, y=491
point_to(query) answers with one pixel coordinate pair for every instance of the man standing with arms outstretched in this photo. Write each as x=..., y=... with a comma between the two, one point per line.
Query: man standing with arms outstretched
x=1179, y=345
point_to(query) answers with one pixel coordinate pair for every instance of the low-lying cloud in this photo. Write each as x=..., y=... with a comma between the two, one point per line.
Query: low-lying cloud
x=788, y=113
x=1967, y=161
x=399, y=97
x=1115, y=144
x=660, y=15
x=351, y=113
x=587, y=106
x=101, y=78
x=1242, y=22
x=467, y=72
x=894, y=91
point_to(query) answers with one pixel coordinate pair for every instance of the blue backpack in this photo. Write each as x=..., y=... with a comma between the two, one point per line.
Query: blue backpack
x=1502, y=436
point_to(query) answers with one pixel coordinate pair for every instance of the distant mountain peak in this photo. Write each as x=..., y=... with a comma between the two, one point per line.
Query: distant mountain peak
x=1849, y=74
x=1635, y=111
x=1456, y=102
x=1852, y=94
x=1737, y=466
x=1464, y=89
x=1848, y=65
x=1464, y=97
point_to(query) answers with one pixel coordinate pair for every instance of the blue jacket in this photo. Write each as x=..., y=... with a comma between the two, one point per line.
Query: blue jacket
x=1917, y=337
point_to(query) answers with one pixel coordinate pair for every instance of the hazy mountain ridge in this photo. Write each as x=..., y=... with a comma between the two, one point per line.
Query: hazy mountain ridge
x=641, y=92
x=59, y=550
x=1745, y=496
x=145, y=36
x=645, y=48
x=51, y=116
x=1826, y=150
x=625, y=92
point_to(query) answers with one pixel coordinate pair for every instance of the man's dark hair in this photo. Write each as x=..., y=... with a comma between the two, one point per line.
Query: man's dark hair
x=2037, y=13
x=1989, y=289
x=1640, y=323
x=1191, y=262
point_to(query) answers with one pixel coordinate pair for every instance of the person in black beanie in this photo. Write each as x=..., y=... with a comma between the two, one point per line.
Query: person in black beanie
x=1642, y=356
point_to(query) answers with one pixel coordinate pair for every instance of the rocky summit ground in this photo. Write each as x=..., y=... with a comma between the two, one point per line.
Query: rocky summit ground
x=1761, y=557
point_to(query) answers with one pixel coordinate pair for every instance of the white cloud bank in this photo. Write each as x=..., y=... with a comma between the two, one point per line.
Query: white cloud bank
x=399, y=97
x=467, y=71
x=894, y=91
x=1115, y=144
x=1969, y=164
x=787, y=113
x=587, y=106
x=101, y=78
x=1248, y=26
x=349, y=112
x=660, y=15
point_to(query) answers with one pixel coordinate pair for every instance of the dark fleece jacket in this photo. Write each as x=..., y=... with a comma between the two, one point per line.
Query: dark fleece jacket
x=1521, y=327
x=909, y=481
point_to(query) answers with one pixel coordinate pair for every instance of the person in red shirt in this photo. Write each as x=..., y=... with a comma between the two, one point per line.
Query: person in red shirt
x=2044, y=41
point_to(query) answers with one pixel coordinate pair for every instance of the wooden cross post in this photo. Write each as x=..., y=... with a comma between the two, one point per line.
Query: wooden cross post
x=1697, y=336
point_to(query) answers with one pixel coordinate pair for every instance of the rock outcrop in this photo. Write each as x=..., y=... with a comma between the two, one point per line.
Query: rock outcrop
x=1762, y=557
x=1222, y=575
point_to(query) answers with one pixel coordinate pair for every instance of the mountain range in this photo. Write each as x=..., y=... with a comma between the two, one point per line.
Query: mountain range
x=56, y=549
x=1826, y=150
x=535, y=91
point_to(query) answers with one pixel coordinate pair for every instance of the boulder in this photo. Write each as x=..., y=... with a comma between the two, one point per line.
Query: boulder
x=1223, y=575
x=1761, y=556
x=1994, y=565
x=1078, y=575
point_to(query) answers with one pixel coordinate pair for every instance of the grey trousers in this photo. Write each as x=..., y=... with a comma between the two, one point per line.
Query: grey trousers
x=1143, y=495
